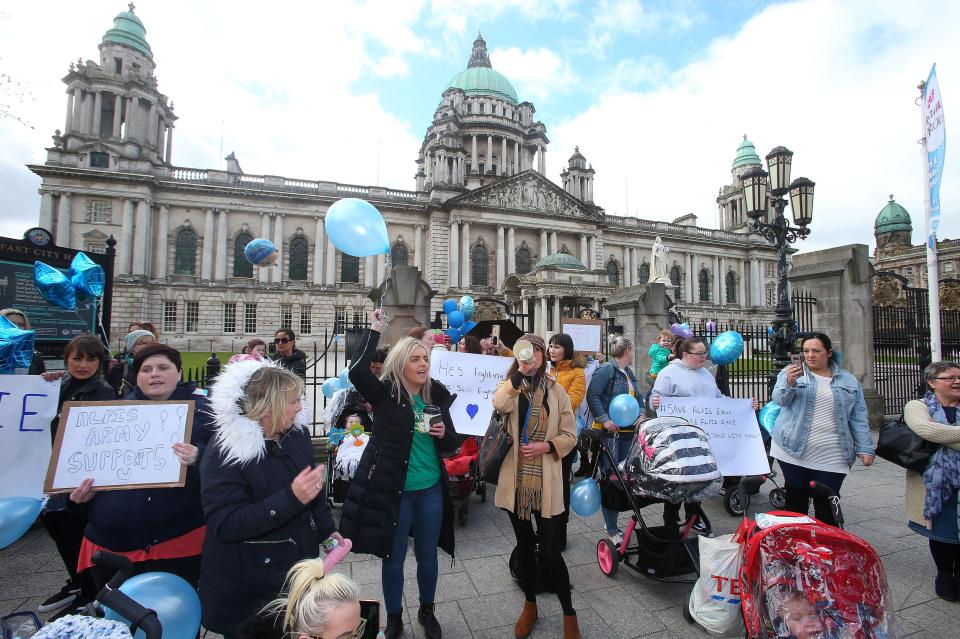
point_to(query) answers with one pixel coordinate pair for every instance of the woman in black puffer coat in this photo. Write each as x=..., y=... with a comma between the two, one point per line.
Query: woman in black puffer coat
x=400, y=482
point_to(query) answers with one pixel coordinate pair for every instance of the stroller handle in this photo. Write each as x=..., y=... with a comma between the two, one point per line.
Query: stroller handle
x=818, y=489
x=140, y=617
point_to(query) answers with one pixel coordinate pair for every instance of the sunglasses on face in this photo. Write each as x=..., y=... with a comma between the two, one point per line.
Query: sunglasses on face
x=356, y=634
x=282, y=340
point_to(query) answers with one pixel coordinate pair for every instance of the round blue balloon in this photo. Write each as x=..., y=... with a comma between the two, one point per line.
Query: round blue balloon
x=344, y=378
x=449, y=306
x=260, y=252
x=456, y=319
x=468, y=326
x=173, y=599
x=467, y=306
x=357, y=228
x=330, y=386
x=54, y=286
x=624, y=410
x=726, y=348
x=585, y=497
x=768, y=416
x=454, y=334
x=17, y=514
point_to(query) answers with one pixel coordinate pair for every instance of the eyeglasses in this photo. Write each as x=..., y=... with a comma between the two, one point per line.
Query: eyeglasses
x=697, y=354
x=952, y=379
x=282, y=340
x=356, y=634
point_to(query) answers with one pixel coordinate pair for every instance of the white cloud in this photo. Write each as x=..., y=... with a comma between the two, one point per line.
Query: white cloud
x=833, y=81
x=614, y=18
x=537, y=73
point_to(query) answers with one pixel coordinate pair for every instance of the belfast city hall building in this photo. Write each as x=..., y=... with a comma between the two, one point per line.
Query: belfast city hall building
x=482, y=219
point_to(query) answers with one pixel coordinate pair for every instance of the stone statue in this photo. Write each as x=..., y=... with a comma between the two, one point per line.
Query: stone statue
x=658, y=262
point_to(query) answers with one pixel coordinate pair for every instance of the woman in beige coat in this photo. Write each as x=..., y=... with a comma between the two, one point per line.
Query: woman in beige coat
x=530, y=486
x=931, y=496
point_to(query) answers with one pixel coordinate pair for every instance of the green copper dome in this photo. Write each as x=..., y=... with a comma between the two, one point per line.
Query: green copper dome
x=127, y=29
x=479, y=78
x=563, y=261
x=892, y=217
x=746, y=155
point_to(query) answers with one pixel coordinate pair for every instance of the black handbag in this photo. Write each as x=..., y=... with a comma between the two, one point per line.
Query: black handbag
x=903, y=447
x=494, y=448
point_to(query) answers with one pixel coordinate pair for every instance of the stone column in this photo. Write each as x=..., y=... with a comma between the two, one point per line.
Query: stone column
x=140, y=237
x=542, y=320
x=501, y=257
x=117, y=115
x=489, y=166
x=163, y=233
x=278, y=236
x=715, y=288
x=68, y=125
x=331, y=267
x=126, y=238
x=206, y=257
x=592, y=242
x=263, y=272
x=503, y=156
x=46, y=210
x=511, y=251
x=454, y=271
x=516, y=157
x=369, y=267
x=742, y=283
x=63, y=219
x=690, y=277
x=418, y=247
x=762, y=279
x=131, y=120
x=97, y=111
x=584, y=251
x=221, y=268
x=626, y=268
x=542, y=161
x=553, y=242
x=77, y=106
x=754, y=281
x=556, y=314
x=168, y=152
x=544, y=250
x=722, y=280
x=634, y=267
x=152, y=124
x=465, y=255
x=381, y=269
x=474, y=164
x=319, y=239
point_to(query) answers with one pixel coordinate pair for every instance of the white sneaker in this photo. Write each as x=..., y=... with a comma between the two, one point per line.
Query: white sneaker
x=615, y=538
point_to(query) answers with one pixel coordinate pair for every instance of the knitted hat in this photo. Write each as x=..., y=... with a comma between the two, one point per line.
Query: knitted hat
x=536, y=341
x=134, y=337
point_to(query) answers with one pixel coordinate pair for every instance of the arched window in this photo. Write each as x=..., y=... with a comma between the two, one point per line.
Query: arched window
x=241, y=267
x=478, y=271
x=185, y=252
x=399, y=255
x=731, y=285
x=703, y=281
x=644, y=273
x=523, y=260
x=297, y=266
x=349, y=268
x=675, y=280
x=613, y=273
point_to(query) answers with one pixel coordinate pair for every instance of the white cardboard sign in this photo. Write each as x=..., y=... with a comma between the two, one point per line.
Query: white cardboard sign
x=474, y=378
x=730, y=425
x=587, y=335
x=119, y=444
x=27, y=406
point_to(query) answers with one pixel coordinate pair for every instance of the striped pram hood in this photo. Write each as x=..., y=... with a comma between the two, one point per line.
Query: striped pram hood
x=671, y=459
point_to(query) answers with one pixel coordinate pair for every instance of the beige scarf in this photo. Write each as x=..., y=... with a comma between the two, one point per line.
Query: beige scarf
x=530, y=472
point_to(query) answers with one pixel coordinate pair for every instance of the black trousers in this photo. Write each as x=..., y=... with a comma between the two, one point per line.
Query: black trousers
x=566, y=466
x=66, y=529
x=796, y=480
x=551, y=561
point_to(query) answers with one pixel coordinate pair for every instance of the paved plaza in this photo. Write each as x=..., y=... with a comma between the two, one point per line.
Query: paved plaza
x=477, y=599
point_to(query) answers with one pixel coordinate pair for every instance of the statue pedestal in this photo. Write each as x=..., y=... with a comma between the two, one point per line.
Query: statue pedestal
x=406, y=302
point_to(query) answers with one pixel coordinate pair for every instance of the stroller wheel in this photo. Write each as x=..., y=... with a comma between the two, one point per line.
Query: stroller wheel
x=733, y=502
x=608, y=557
x=778, y=499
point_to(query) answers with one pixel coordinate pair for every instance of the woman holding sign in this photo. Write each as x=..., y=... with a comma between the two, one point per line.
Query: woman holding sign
x=540, y=420
x=159, y=529
x=822, y=427
x=400, y=482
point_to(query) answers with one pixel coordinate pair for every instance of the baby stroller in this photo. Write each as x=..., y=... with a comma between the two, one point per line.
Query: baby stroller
x=669, y=463
x=463, y=478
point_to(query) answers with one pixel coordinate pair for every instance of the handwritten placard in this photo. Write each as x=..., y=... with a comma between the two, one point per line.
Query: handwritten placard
x=121, y=444
x=27, y=406
x=587, y=335
x=474, y=378
x=730, y=425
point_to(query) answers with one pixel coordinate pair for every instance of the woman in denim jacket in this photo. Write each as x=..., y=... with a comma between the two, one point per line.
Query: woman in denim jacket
x=822, y=427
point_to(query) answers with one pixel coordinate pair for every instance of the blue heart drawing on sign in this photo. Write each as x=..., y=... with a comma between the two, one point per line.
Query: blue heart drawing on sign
x=472, y=410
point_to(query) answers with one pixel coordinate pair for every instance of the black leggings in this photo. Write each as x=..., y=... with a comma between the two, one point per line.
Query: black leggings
x=66, y=529
x=551, y=561
x=796, y=481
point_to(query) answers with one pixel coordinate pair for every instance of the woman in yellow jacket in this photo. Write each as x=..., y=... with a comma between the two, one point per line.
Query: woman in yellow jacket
x=540, y=420
x=568, y=368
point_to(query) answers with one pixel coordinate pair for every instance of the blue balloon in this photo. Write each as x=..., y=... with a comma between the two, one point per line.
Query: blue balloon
x=454, y=334
x=467, y=307
x=585, y=497
x=173, y=599
x=468, y=326
x=768, y=416
x=449, y=306
x=456, y=319
x=330, y=386
x=17, y=514
x=726, y=348
x=86, y=276
x=54, y=286
x=16, y=346
x=357, y=228
x=260, y=252
x=344, y=378
x=624, y=410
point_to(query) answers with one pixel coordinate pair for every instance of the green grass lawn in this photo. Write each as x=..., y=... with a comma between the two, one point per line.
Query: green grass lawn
x=194, y=359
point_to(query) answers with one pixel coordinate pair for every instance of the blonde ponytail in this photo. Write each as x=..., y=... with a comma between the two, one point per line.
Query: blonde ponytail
x=312, y=597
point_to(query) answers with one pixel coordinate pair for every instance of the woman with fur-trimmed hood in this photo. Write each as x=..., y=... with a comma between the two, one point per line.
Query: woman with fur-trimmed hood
x=261, y=494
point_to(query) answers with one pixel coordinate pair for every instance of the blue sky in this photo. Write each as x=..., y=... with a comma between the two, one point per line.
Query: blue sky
x=657, y=95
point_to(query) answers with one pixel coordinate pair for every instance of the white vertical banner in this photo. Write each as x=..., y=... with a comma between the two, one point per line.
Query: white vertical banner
x=27, y=406
x=934, y=143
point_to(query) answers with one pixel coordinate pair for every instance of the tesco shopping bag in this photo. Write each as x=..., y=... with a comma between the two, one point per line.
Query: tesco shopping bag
x=715, y=600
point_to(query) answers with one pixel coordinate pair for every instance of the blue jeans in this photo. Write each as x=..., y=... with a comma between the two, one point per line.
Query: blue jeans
x=423, y=510
x=619, y=446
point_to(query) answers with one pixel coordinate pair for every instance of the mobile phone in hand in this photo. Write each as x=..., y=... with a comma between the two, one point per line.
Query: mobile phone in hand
x=796, y=359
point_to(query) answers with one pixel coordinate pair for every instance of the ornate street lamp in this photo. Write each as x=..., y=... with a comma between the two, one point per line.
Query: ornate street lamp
x=761, y=195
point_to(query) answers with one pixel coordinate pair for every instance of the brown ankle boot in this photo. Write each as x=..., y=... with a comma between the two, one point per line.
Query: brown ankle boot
x=570, y=628
x=527, y=618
